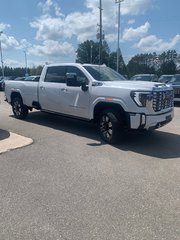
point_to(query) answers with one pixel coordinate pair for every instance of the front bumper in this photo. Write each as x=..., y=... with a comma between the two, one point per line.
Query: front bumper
x=148, y=122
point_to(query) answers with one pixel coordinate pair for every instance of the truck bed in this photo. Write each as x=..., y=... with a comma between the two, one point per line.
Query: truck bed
x=27, y=89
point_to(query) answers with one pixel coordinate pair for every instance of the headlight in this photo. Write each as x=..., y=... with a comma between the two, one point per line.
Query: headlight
x=142, y=99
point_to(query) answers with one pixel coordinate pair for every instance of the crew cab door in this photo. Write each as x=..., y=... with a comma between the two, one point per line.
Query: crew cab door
x=56, y=96
x=77, y=99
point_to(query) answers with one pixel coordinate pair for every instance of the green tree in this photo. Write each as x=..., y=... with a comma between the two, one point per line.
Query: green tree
x=142, y=63
x=36, y=70
x=88, y=52
x=168, y=68
x=113, y=63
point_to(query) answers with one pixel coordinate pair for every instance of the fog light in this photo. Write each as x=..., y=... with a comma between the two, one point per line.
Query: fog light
x=143, y=119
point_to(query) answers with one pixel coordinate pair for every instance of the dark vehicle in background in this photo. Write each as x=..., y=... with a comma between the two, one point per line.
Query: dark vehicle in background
x=29, y=78
x=1, y=84
x=175, y=83
x=19, y=79
x=145, y=77
x=165, y=78
x=32, y=78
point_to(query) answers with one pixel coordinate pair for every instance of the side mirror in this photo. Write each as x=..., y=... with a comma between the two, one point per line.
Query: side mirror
x=71, y=80
x=84, y=86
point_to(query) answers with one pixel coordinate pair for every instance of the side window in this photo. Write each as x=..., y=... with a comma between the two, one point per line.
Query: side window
x=177, y=78
x=80, y=75
x=32, y=79
x=56, y=74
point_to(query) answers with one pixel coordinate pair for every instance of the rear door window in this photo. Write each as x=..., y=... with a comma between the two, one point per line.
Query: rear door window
x=56, y=74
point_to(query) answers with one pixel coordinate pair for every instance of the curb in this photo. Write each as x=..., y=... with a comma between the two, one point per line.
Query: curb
x=14, y=141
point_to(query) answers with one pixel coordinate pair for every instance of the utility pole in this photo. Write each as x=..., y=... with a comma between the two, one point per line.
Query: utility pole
x=100, y=32
x=118, y=38
x=25, y=57
x=2, y=65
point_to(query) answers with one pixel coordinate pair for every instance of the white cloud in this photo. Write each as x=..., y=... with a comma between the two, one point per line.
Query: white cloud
x=50, y=6
x=13, y=63
x=53, y=25
x=83, y=26
x=46, y=6
x=135, y=7
x=154, y=44
x=131, y=21
x=52, y=48
x=50, y=28
x=24, y=44
x=80, y=25
x=4, y=26
x=132, y=34
x=128, y=7
x=21, y=63
x=55, y=31
x=9, y=42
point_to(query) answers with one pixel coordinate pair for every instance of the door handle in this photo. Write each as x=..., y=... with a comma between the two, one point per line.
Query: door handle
x=64, y=90
x=41, y=87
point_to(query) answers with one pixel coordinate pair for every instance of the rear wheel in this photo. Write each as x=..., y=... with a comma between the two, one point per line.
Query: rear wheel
x=19, y=109
x=110, y=126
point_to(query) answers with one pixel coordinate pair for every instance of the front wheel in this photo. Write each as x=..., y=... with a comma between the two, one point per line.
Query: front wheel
x=19, y=109
x=110, y=126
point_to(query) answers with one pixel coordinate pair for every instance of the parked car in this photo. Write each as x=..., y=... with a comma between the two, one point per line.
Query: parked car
x=29, y=78
x=165, y=78
x=1, y=84
x=3, y=80
x=175, y=83
x=32, y=78
x=145, y=77
x=19, y=79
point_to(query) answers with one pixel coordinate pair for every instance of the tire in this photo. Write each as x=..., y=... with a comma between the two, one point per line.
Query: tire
x=19, y=109
x=110, y=126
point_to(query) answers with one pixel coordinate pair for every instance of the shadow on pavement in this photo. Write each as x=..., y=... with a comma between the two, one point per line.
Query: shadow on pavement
x=4, y=134
x=177, y=104
x=158, y=144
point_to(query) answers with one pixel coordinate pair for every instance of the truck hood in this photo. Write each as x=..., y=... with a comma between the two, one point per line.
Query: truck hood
x=134, y=85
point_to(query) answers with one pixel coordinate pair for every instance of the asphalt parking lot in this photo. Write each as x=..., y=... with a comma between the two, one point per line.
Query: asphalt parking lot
x=68, y=184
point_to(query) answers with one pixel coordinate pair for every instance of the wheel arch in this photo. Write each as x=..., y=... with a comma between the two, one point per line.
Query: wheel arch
x=14, y=95
x=101, y=106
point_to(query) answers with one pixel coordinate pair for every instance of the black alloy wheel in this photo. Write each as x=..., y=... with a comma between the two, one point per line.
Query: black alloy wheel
x=110, y=126
x=19, y=109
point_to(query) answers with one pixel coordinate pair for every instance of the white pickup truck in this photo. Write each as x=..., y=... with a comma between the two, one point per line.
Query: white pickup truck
x=94, y=93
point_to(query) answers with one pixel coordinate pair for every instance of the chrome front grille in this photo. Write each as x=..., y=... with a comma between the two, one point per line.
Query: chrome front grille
x=163, y=100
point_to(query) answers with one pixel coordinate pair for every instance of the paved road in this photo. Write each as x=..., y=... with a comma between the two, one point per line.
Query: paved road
x=68, y=185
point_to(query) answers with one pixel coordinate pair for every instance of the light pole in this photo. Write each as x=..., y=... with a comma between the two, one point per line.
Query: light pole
x=118, y=37
x=25, y=57
x=100, y=32
x=2, y=65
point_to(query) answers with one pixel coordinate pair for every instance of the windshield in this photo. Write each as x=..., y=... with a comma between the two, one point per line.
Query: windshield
x=103, y=73
x=175, y=79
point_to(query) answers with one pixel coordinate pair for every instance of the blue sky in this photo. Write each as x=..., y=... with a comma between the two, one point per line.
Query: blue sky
x=50, y=31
